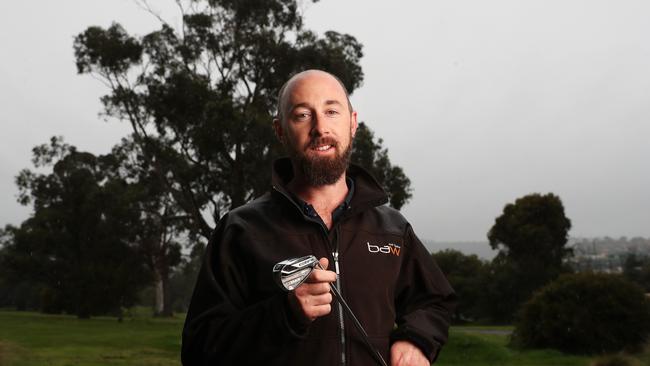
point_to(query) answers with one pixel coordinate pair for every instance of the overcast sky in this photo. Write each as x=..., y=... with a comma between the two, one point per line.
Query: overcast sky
x=481, y=102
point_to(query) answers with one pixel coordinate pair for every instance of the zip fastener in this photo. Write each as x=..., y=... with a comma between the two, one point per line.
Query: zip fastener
x=335, y=254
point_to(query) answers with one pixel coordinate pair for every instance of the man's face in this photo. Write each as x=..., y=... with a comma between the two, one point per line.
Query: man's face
x=317, y=127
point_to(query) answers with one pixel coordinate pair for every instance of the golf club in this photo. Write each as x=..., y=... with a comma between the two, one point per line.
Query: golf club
x=292, y=272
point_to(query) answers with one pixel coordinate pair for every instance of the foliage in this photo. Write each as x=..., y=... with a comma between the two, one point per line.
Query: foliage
x=531, y=236
x=162, y=222
x=585, y=313
x=77, y=245
x=200, y=98
x=374, y=157
x=466, y=274
x=637, y=270
x=183, y=279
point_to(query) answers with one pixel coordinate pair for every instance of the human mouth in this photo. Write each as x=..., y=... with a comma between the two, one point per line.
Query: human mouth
x=322, y=147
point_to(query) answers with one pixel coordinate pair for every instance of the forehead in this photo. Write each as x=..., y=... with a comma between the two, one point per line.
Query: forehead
x=314, y=88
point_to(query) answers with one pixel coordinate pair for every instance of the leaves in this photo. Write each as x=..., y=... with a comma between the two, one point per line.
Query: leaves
x=372, y=156
x=531, y=236
x=79, y=243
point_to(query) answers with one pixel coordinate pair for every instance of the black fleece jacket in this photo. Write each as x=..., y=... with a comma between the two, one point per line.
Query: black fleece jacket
x=239, y=316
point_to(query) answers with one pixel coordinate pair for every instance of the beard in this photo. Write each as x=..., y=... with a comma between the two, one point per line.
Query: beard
x=320, y=170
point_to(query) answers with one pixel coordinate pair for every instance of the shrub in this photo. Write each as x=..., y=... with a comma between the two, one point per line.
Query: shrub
x=585, y=313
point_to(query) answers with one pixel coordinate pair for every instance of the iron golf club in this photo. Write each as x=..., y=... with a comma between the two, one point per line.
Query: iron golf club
x=292, y=272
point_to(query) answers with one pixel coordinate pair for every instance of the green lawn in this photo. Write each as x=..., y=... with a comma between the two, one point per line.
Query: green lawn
x=33, y=339
x=467, y=347
x=28, y=339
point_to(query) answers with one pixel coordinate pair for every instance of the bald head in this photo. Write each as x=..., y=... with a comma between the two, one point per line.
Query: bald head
x=315, y=76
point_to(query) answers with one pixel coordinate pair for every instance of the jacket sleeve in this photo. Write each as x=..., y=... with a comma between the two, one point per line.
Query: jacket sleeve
x=219, y=327
x=424, y=300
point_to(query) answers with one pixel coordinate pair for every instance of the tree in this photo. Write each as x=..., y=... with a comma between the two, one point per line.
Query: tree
x=374, y=157
x=531, y=237
x=15, y=290
x=466, y=274
x=637, y=270
x=77, y=244
x=162, y=222
x=200, y=98
x=585, y=313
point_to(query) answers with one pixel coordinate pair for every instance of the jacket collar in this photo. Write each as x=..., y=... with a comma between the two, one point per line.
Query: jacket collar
x=368, y=192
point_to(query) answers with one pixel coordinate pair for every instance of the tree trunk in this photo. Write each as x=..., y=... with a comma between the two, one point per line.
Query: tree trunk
x=162, y=303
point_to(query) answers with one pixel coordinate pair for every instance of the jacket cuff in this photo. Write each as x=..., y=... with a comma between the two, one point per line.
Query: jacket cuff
x=429, y=347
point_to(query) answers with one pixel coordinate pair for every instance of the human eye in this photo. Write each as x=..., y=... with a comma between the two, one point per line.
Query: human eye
x=331, y=112
x=301, y=115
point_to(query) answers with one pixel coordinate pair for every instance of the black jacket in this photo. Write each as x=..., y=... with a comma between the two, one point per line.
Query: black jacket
x=239, y=316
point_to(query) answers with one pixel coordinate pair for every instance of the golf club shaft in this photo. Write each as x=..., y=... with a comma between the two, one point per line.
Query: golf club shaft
x=357, y=324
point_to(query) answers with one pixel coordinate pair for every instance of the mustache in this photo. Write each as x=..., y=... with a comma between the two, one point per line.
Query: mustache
x=322, y=141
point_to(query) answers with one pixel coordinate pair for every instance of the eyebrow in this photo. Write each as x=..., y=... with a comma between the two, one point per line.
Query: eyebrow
x=333, y=101
x=307, y=105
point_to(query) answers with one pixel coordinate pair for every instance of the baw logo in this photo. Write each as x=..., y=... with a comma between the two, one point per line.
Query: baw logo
x=390, y=248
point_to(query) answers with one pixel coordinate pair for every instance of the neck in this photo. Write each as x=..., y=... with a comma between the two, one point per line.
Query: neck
x=325, y=196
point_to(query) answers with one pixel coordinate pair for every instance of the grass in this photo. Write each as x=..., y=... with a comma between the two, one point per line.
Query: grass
x=33, y=339
x=467, y=347
x=30, y=339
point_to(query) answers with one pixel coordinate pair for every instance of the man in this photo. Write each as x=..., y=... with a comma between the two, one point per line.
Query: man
x=322, y=206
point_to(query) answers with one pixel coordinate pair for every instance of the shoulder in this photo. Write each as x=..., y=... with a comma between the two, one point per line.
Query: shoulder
x=262, y=217
x=252, y=210
x=384, y=219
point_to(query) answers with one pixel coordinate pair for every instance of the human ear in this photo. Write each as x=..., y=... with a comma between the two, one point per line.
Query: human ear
x=353, y=123
x=277, y=128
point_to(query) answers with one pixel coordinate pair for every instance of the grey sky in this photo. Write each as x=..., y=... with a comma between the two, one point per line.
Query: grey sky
x=480, y=102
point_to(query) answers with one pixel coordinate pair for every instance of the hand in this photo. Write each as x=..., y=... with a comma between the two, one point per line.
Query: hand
x=312, y=299
x=403, y=353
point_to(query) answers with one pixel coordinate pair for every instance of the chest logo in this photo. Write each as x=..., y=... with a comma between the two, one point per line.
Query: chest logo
x=389, y=248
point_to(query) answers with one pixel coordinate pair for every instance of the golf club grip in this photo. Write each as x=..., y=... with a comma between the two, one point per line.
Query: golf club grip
x=357, y=324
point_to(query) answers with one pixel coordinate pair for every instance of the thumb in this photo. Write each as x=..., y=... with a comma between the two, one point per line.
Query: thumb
x=324, y=262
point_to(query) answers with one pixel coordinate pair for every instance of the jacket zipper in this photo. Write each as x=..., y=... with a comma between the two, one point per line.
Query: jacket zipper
x=337, y=270
x=335, y=254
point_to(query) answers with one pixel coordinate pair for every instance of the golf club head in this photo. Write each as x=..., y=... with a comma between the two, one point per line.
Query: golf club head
x=292, y=272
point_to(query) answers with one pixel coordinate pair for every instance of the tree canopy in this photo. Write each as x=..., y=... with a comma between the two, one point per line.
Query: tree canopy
x=200, y=98
x=531, y=235
x=466, y=274
x=78, y=244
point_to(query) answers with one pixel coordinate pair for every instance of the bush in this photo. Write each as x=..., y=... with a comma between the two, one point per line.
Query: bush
x=466, y=274
x=585, y=313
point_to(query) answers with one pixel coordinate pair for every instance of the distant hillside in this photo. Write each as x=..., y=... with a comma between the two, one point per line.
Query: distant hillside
x=581, y=247
x=480, y=248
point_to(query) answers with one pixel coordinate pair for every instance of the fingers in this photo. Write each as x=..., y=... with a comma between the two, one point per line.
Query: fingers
x=319, y=300
x=314, y=312
x=404, y=353
x=324, y=262
x=313, y=299
x=320, y=275
x=395, y=358
x=312, y=289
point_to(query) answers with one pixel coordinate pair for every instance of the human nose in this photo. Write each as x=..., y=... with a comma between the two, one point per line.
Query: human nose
x=320, y=127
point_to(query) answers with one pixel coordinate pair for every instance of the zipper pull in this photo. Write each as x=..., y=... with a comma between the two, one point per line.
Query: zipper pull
x=336, y=265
